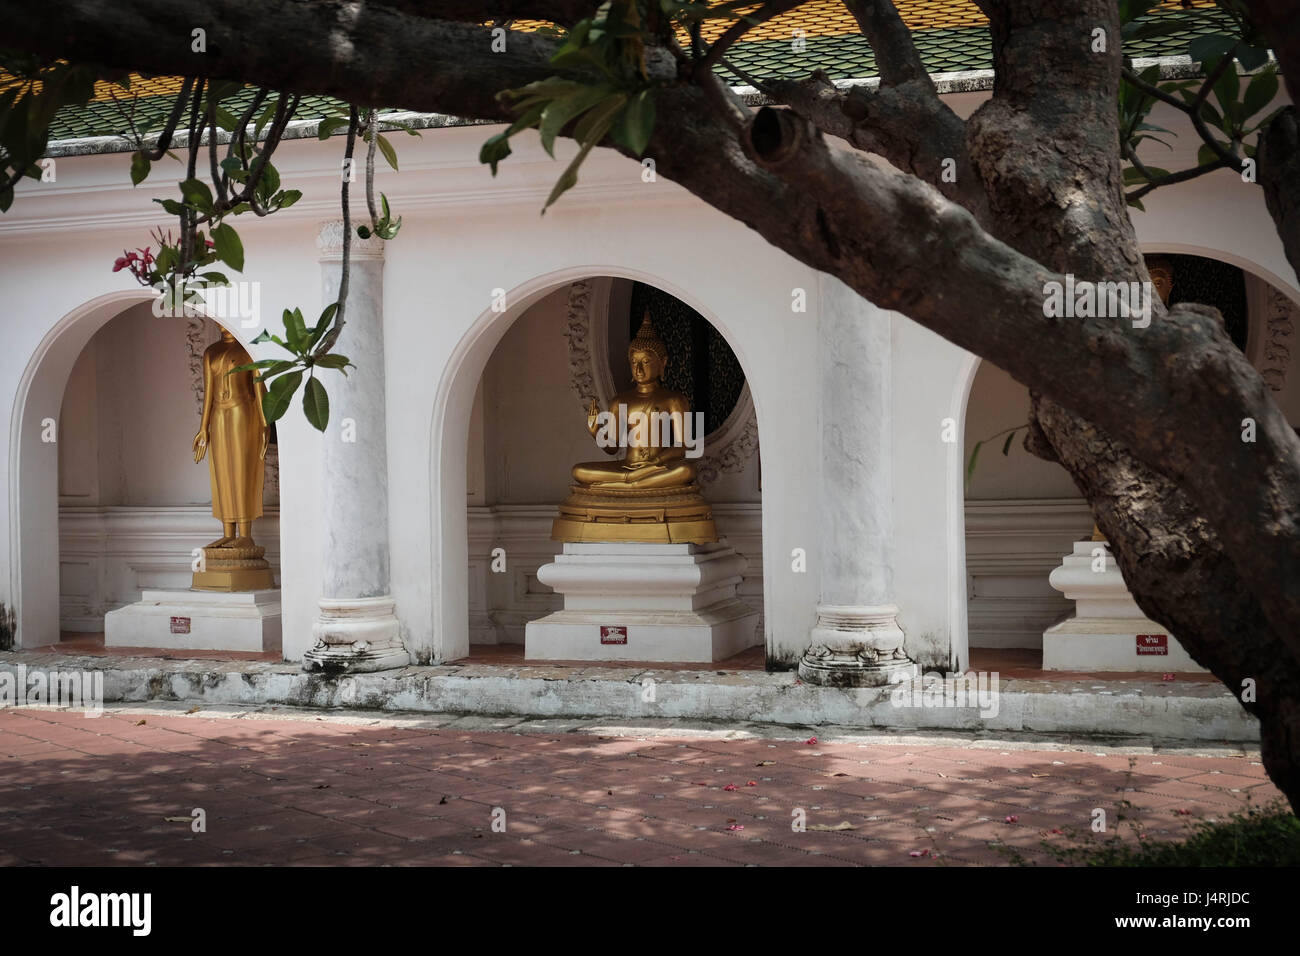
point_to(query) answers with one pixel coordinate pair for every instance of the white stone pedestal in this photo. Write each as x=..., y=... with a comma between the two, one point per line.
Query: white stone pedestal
x=198, y=621
x=1108, y=631
x=633, y=601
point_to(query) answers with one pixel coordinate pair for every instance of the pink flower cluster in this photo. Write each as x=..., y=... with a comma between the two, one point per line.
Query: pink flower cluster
x=139, y=262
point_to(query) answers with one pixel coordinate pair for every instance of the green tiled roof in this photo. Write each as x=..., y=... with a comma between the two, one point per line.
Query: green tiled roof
x=105, y=117
x=943, y=50
x=847, y=55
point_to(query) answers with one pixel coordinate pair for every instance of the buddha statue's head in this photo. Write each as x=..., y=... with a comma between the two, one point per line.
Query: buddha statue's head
x=1161, y=270
x=647, y=354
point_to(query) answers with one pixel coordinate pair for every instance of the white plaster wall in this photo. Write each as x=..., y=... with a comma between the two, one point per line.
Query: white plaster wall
x=464, y=236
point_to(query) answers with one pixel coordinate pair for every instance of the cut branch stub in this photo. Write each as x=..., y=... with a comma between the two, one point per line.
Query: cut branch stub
x=775, y=136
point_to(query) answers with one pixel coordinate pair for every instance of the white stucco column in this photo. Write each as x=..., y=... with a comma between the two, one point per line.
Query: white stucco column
x=357, y=629
x=857, y=641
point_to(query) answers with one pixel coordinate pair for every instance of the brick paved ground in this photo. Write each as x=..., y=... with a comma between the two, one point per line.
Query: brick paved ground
x=305, y=789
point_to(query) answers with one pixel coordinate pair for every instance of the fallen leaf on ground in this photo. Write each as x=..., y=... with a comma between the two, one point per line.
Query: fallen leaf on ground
x=140, y=723
x=842, y=825
x=1040, y=775
x=752, y=783
x=192, y=710
x=179, y=819
x=765, y=763
x=833, y=773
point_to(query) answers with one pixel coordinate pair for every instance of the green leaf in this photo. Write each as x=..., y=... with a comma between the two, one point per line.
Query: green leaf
x=264, y=117
x=269, y=184
x=139, y=167
x=276, y=400
x=225, y=119
x=215, y=278
x=233, y=167
x=560, y=111
x=386, y=148
x=196, y=193
x=1211, y=47
x=1252, y=57
x=1006, y=445
x=363, y=232
x=591, y=129
x=494, y=149
x=636, y=123
x=331, y=360
x=316, y=404
x=229, y=247
x=171, y=205
x=1227, y=89
x=295, y=329
x=1260, y=92
x=322, y=324
x=263, y=336
x=1206, y=154
x=328, y=126
x=288, y=197
x=273, y=367
x=1136, y=204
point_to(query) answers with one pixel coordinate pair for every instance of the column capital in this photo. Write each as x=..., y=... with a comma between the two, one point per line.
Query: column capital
x=329, y=242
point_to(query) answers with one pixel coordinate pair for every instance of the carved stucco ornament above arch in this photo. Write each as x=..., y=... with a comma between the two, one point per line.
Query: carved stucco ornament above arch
x=1280, y=315
x=728, y=448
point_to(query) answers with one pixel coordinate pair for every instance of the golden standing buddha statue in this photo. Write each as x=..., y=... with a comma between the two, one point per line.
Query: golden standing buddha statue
x=233, y=434
x=650, y=493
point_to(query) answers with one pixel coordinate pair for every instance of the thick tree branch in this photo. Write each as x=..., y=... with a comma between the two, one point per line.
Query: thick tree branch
x=482, y=11
x=1279, y=175
x=361, y=53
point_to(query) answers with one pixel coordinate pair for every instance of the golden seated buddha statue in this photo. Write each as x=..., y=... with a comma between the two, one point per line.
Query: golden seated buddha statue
x=650, y=493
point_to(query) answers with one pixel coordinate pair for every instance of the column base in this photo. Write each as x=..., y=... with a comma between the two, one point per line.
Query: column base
x=356, y=635
x=856, y=646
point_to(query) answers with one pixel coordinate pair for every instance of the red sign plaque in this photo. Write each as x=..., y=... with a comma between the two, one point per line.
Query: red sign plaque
x=1153, y=644
x=613, y=634
x=180, y=625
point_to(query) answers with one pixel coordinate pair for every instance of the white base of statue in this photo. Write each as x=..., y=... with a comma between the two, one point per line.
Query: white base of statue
x=1108, y=631
x=198, y=621
x=355, y=635
x=634, y=601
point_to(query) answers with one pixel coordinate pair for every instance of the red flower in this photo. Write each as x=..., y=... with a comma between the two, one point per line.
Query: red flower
x=752, y=783
x=1012, y=819
x=730, y=786
x=810, y=741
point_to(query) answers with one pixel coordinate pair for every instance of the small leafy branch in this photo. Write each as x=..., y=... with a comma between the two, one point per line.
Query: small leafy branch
x=605, y=89
x=1223, y=114
x=305, y=345
x=975, y=449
